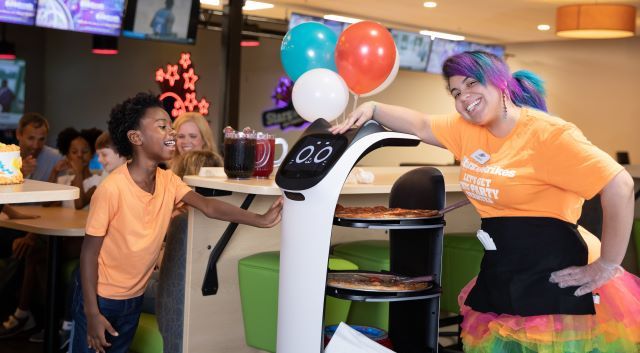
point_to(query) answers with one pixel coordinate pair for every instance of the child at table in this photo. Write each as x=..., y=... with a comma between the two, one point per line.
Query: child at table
x=108, y=156
x=128, y=218
x=77, y=147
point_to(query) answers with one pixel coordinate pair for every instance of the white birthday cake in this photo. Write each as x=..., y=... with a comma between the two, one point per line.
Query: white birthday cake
x=10, y=164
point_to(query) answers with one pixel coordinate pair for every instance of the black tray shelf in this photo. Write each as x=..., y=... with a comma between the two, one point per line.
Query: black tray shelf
x=386, y=296
x=418, y=223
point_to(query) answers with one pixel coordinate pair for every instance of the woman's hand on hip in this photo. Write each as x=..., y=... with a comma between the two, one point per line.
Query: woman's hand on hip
x=588, y=278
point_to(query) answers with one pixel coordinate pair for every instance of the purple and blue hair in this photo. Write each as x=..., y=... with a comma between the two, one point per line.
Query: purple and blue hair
x=523, y=87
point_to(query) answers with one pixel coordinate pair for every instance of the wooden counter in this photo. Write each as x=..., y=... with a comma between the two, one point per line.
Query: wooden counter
x=60, y=221
x=37, y=191
x=214, y=323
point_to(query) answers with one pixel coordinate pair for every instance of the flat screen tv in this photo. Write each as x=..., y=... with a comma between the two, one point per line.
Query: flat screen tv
x=89, y=16
x=336, y=26
x=413, y=49
x=441, y=50
x=496, y=50
x=165, y=20
x=22, y=12
x=12, y=88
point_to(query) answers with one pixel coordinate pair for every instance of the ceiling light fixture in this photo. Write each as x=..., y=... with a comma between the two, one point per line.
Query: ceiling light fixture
x=341, y=18
x=7, y=50
x=596, y=21
x=430, y=4
x=544, y=27
x=249, y=41
x=441, y=35
x=210, y=2
x=256, y=5
x=105, y=45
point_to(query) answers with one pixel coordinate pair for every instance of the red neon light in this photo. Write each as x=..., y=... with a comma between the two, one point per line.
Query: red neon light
x=172, y=74
x=250, y=43
x=104, y=51
x=203, y=107
x=159, y=75
x=190, y=80
x=178, y=83
x=185, y=60
x=191, y=101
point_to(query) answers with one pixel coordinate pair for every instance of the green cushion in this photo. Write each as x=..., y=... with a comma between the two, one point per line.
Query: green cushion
x=67, y=270
x=258, y=279
x=147, y=338
x=461, y=259
x=369, y=255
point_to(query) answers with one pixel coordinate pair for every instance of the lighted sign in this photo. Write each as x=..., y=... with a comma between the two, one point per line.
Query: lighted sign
x=283, y=114
x=178, y=85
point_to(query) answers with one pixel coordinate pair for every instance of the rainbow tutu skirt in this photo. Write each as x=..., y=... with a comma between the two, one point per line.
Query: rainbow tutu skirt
x=615, y=328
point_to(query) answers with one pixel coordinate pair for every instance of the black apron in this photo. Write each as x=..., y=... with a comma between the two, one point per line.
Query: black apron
x=514, y=279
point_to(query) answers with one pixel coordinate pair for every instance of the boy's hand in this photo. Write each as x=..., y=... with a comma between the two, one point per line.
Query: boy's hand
x=96, y=326
x=272, y=216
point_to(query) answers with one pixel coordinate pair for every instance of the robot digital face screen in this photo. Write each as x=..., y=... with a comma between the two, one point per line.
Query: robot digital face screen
x=314, y=154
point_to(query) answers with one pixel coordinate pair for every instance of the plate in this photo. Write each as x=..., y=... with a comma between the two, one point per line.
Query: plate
x=373, y=282
x=388, y=218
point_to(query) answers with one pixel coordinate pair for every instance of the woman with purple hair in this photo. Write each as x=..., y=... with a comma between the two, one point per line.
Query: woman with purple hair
x=528, y=174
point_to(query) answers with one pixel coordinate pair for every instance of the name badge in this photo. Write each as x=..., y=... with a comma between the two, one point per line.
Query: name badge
x=480, y=156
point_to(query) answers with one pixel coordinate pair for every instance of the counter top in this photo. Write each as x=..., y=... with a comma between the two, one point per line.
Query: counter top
x=37, y=191
x=384, y=179
x=60, y=221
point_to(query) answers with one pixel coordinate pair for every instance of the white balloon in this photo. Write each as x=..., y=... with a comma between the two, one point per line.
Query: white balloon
x=320, y=93
x=388, y=80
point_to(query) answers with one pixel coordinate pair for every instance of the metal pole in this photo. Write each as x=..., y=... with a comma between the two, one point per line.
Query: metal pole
x=231, y=62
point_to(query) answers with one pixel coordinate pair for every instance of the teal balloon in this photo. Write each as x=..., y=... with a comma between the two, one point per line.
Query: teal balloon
x=308, y=46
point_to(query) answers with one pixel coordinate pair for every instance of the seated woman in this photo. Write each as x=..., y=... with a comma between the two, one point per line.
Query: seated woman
x=193, y=134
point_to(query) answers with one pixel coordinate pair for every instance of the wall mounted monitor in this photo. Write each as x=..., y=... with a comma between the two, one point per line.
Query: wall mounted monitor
x=441, y=49
x=22, y=12
x=12, y=89
x=413, y=49
x=335, y=26
x=497, y=50
x=89, y=16
x=164, y=20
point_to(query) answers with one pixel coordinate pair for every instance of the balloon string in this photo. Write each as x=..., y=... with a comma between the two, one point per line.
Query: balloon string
x=355, y=102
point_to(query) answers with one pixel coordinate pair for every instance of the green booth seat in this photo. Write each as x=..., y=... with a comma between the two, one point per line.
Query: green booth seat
x=461, y=259
x=369, y=255
x=147, y=338
x=258, y=277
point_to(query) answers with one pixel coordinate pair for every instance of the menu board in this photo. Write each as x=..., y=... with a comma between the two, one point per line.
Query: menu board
x=441, y=50
x=90, y=16
x=22, y=12
x=413, y=49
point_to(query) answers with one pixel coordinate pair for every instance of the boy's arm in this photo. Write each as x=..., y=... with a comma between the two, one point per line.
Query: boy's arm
x=223, y=211
x=96, y=323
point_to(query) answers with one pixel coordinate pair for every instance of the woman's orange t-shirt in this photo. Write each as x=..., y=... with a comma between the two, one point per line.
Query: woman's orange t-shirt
x=545, y=167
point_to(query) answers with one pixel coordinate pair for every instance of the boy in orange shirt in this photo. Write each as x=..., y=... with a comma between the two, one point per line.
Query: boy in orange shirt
x=129, y=215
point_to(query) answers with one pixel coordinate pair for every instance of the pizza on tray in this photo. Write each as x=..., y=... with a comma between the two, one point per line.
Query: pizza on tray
x=378, y=282
x=381, y=212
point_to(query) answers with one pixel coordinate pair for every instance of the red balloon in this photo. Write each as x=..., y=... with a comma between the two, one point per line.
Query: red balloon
x=365, y=55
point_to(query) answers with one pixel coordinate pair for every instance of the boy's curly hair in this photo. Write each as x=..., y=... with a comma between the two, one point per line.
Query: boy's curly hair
x=126, y=116
x=64, y=139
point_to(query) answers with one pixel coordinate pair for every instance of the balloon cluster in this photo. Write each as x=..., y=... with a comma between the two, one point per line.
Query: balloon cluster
x=325, y=67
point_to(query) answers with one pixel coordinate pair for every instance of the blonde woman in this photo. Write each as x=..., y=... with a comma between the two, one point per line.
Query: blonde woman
x=193, y=134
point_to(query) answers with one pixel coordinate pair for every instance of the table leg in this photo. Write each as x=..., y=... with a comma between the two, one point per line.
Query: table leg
x=50, y=328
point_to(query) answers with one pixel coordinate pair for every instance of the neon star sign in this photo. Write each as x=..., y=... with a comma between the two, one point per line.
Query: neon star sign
x=178, y=85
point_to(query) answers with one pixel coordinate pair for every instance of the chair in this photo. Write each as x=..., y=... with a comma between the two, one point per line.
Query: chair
x=258, y=277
